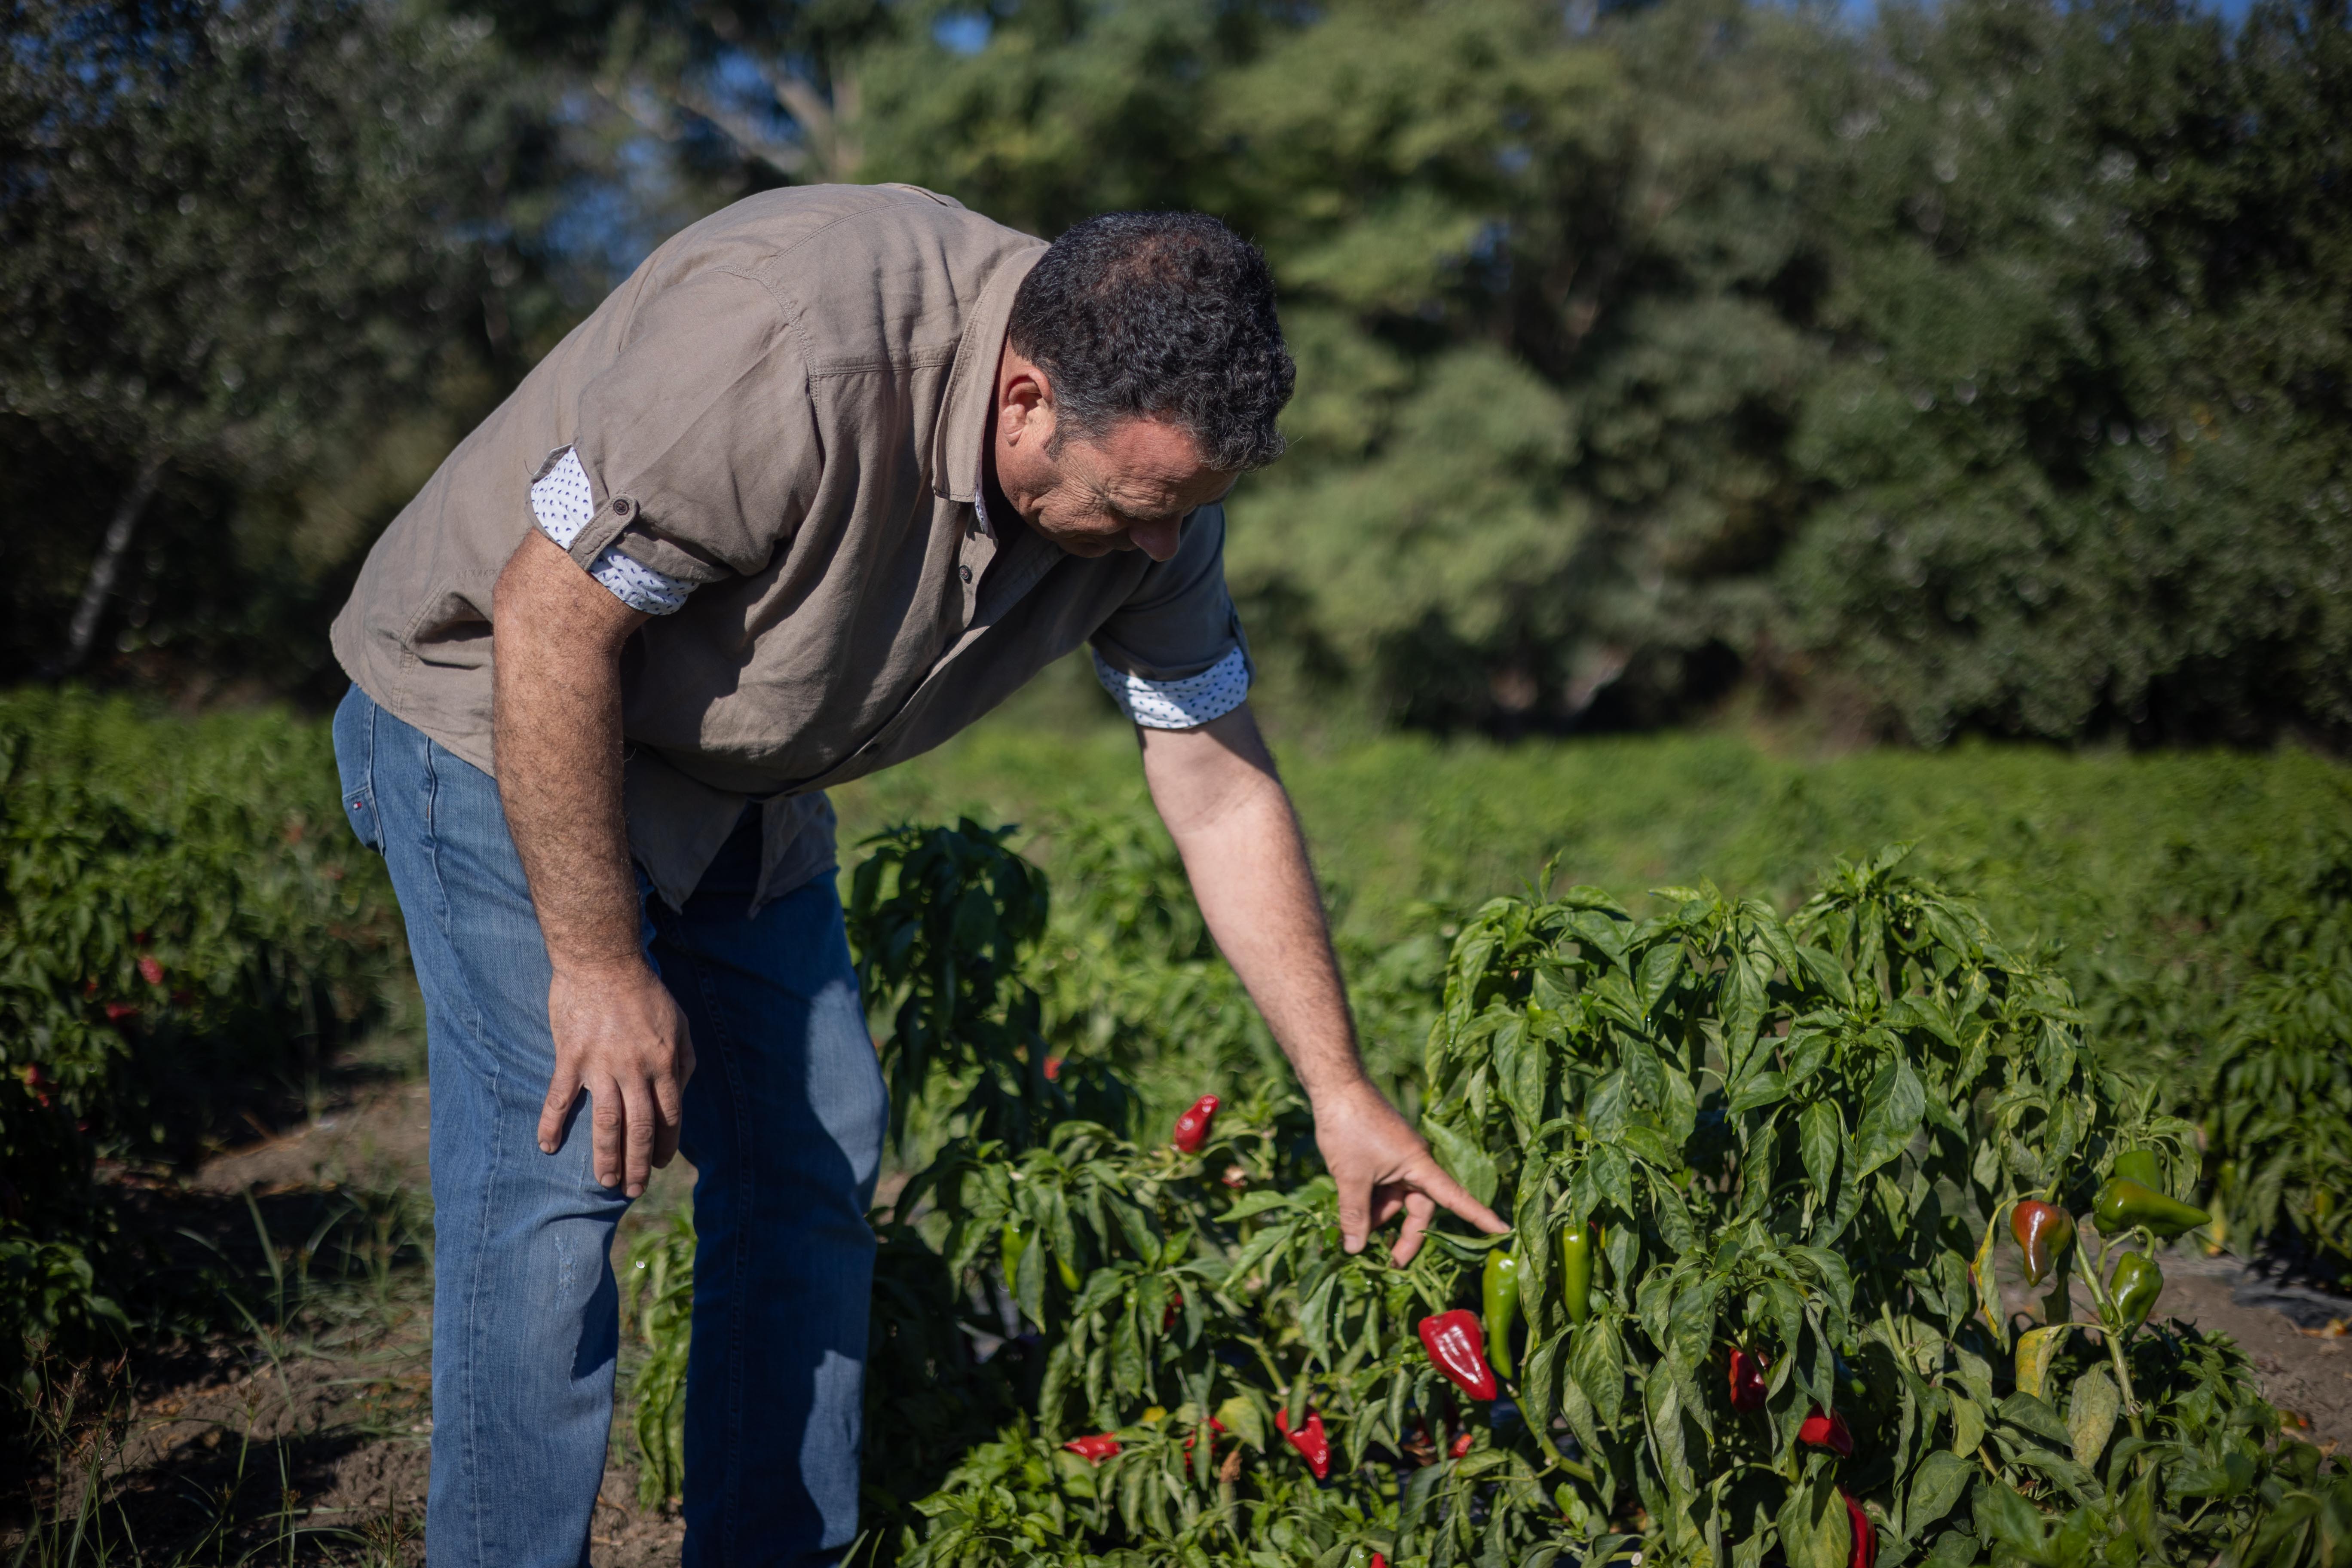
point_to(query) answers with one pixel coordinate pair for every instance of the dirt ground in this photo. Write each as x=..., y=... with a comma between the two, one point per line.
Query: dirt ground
x=322, y=1435
x=309, y=1443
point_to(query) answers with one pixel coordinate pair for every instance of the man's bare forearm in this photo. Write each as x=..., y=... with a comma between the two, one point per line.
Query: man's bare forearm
x=1217, y=791
x=557, y=732
x=617, y=1033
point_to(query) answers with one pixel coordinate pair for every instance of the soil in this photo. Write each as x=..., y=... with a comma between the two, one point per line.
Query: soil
x=212, y=1450
x=316, y=1439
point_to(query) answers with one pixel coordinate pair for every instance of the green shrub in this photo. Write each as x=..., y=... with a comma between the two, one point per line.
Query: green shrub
x=1798, y=1137
x=2253, y=1038
x=188, y=923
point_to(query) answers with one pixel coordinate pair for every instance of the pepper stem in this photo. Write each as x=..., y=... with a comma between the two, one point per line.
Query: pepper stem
x=2110, y=1320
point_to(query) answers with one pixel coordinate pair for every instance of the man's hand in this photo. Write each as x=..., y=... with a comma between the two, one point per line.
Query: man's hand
x=557, y=733
x=1216, y=789
x=1382, y=1166
x=619, y=1035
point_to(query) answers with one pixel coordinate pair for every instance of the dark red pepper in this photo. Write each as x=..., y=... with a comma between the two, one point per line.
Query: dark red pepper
x=1865, y=1552
x=1192, y=1127
x=1168, y=1317
x=2043, y=1232
x=1458, y=1347
x=1308, y=1440
x=1828, y=1432
x=1748, y=1370
x=149, y=970
x=1461, y=1445
x=1093, y=1451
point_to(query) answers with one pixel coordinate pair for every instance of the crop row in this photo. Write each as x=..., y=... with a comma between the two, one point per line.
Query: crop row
x=1765, y=1175
x=1702, y=1122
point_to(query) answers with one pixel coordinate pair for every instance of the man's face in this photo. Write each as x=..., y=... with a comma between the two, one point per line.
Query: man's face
x=1129, y=490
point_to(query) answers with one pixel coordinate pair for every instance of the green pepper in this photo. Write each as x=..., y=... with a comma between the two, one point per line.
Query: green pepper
x=1576, y=1269
x=1499, y=1293
x=2141, y=1165
x=1014, y=1243
x=2123, y=1203
x=2136, y=1284
x=1067, y=1270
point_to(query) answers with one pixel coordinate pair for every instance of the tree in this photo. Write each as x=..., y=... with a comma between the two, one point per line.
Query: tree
x=225, y=230
x=2088, y=453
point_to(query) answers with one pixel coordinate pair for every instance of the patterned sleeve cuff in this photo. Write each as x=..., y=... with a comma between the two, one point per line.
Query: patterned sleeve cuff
x=562, y=502
x=1178, y=704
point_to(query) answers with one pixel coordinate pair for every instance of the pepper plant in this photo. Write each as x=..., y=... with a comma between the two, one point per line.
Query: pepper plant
x=1761, y=1172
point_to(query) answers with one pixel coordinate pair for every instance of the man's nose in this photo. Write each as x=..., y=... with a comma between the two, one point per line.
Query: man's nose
x=1157, y=540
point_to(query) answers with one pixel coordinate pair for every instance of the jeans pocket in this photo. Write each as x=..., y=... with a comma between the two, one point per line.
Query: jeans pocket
x=355, y=761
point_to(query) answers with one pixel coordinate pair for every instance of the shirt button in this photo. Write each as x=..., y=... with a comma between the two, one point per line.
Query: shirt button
x=621, y=506
x=965, y=571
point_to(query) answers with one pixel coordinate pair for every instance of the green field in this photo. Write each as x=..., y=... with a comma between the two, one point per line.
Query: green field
x=2086, y=848
x=197, y=946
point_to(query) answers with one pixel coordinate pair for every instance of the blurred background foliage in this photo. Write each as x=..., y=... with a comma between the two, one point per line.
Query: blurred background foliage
x=1980, y=368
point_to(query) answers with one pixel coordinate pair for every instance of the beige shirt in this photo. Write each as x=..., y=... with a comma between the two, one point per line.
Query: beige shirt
x=785, y=405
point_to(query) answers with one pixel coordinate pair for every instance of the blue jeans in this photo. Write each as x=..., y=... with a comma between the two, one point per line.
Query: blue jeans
x=783, y=1126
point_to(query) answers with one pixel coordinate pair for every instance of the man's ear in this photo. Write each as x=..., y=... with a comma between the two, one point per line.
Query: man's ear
x=1024, y=403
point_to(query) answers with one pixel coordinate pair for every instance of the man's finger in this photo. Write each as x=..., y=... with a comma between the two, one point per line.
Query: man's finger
x=669, y=1104
x=637, y=1136
x=1431, y=1178
x=562, y=1090
x=1355, y=1211
x=606, y=1119
x=1417, y=1212
x=1386, y=1201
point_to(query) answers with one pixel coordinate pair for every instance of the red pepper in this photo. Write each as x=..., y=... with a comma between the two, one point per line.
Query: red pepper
x=2043, y=1232
x=1308, y=1440
x=118, y=1011
x=1461, y=1446
x=1053, y=1070
x=1748, y=1370
x=1168, y=1317
x=1458, y=1346
x=1828, y=1432
x=149, y=970
x=1217, y=1428
x=1864, y=1552
x=1192, y=1127
x=1093, y=1451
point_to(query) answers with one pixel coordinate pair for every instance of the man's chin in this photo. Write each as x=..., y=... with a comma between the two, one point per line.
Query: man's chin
x=1089, y=547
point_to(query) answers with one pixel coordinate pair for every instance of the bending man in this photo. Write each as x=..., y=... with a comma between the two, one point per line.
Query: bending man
x=832, y=475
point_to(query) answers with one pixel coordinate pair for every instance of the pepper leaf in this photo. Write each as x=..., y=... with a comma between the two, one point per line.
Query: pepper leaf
x=2091, y=1416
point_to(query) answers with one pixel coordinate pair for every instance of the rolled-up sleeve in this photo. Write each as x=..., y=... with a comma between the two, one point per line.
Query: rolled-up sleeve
x=1173, y=656
x=698, y=441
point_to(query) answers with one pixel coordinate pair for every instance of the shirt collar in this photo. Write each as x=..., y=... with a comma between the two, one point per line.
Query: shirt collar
x=972, y=383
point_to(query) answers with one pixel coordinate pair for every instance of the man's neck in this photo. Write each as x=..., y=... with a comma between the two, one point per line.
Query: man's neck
x=1003, y=519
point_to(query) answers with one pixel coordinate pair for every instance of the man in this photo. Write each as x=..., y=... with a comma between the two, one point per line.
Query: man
x=836, y=471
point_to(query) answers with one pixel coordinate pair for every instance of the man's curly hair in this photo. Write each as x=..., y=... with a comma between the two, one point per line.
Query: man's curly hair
x=1163, y=315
